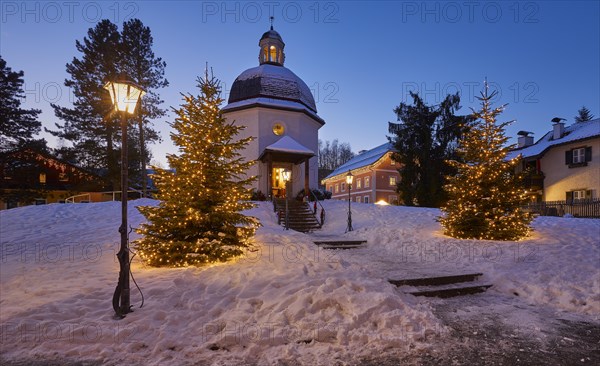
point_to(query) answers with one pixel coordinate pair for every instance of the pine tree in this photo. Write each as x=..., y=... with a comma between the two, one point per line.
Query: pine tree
x=584, y=115
x=425, y=138
x=17, y=125
x=91, y=126
x=485, y=194
x=198, y=219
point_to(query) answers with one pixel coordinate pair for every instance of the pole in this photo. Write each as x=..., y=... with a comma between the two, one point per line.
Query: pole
x=123, y=254
x=287, y=212
x=349, y=228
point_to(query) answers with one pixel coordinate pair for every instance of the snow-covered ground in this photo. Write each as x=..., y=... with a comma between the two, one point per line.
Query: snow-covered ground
x=286, y=301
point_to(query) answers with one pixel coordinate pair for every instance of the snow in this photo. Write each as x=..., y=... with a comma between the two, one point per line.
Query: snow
x=286, y=301
x=272, y=102
x=575, y=132
x=289, y=145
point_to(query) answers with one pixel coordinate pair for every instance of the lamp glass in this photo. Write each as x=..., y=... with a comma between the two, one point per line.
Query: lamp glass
x=349, y=178
x=286, y=175
x=124, y=95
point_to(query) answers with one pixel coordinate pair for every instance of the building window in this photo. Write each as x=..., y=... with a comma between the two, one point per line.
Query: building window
x=358, y=184
x=578, y=157
x=343, y=187
x=273, y=54
x=579, y=194
x=392, y=162
x=43, y=178
x=366, y=199
x=367, y=182
x=331, y=189
x=337, y=188
x=392, y=180
x=40, y=201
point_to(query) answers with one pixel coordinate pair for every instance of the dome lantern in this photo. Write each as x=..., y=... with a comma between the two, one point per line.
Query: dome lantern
x=271, y=48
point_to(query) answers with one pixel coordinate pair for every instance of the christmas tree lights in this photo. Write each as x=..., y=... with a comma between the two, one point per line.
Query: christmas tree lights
x=198, y=219
x=486, y=194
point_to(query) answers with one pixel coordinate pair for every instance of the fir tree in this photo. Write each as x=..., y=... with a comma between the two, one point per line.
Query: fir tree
x=486, y=194
x=584, y=115
x=17, y=125
x=425, y=138
x=198, y=219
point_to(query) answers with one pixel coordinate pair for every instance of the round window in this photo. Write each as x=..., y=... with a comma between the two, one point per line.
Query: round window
x=278, y=129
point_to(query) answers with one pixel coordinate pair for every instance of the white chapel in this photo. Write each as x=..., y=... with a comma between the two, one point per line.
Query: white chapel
x=279, y=111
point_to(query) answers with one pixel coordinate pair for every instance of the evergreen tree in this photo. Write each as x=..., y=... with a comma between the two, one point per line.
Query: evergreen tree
x=426, y=137
x=17, y=125
x=485, y=194
x=583, y=115
x=91, y=126
x=198, y=219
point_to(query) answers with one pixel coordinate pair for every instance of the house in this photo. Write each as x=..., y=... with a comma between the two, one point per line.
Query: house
x=33, y=177
x=564, y=164
x=278, y=110
x=375, y=175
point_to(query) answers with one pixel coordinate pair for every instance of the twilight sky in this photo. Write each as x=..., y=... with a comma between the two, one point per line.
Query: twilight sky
x=359, y=58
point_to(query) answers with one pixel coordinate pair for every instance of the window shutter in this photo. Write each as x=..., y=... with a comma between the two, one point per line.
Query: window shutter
x=569, y=157
x=588, y=153
x=588, y=194
x=569, y=196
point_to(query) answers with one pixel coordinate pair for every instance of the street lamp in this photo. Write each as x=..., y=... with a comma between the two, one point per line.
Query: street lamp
x=349, y=179
x=124, y=95
x=286, y=175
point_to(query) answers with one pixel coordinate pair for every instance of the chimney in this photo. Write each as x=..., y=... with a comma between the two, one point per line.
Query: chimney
x=524, y=139
x=559, y=127
x=362, y=152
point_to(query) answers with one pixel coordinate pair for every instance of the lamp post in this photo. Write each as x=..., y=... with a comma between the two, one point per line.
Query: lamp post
x=286, y=175
x=124, y=95
x=349, y=179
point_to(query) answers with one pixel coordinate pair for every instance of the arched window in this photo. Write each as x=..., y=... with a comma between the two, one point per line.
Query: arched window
x=265, y=54
x=273, y=54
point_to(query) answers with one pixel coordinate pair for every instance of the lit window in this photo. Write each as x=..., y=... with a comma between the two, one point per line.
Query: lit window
x=580, y=194
x=43, y=178
x=358, y=185
x=367, y=182
x=273, y=54
x=392, y=180
x=358, y=199
x=343, y=187
x=278, y=129
x=579, y=155
x=337, y=188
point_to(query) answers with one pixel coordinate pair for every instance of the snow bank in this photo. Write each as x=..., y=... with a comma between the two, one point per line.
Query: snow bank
x=285, y=300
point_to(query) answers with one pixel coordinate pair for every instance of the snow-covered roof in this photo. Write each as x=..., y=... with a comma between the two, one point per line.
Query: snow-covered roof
x=364, y=159
x=576, y=131
x=286, y=144
x=271, y=81
x=273, y=103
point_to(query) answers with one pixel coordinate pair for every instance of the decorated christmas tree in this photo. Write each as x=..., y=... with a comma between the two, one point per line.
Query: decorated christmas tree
x=198, y=219
x=486, y=194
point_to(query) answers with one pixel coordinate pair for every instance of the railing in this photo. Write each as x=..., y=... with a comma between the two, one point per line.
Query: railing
x=114, y=194
x=321, y=219
x=588, y=208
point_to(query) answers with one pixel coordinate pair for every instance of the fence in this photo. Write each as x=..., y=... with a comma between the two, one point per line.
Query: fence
x=589, y=208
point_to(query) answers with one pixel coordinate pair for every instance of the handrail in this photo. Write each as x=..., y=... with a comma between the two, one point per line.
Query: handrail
x=322, y=220
x=72, y=198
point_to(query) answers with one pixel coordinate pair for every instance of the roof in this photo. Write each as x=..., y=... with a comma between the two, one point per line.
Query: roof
x=289, y=145
x=273, y=103
x=575, y=132
x=273, y=34
x=362, y=160
x=271, y=81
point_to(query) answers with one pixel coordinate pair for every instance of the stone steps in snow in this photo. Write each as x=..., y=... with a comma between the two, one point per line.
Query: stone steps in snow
x=340, y=244
x=442, y=286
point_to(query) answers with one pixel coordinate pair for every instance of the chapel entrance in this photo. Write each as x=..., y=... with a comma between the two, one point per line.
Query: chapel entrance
x=278, y=188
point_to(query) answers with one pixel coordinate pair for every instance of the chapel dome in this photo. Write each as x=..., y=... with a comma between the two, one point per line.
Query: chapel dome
x=271, y=81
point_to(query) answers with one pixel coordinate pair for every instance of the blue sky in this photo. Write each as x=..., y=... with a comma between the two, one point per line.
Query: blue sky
x=360, y=58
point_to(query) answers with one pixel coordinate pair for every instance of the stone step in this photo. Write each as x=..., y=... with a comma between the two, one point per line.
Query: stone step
x=445, y=293
x=340, y=242
x=436, y=281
